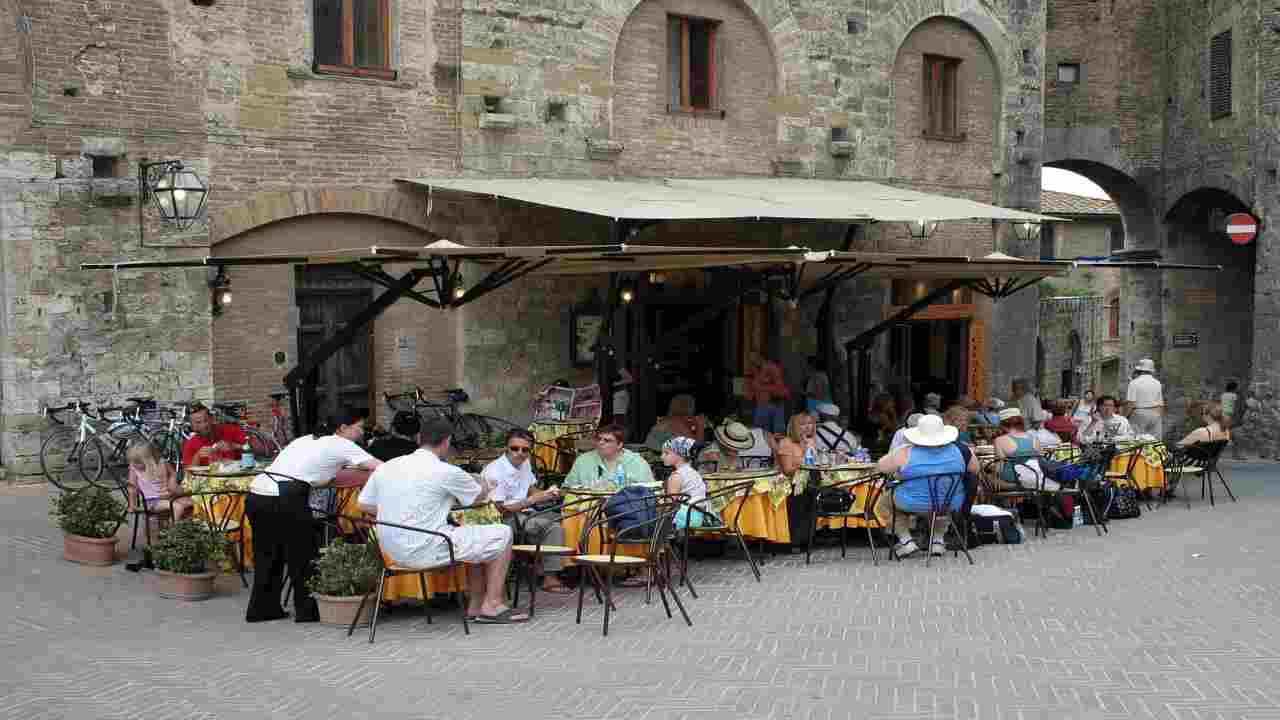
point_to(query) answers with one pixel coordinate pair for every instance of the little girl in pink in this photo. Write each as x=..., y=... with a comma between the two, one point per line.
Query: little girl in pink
x=153, y=482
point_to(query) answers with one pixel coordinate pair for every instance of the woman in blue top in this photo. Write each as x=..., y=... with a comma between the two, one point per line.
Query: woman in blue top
x=1018, y=443
x=931, y=450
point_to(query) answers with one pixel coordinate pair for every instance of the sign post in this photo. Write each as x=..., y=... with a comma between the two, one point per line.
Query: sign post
x=1242, y=228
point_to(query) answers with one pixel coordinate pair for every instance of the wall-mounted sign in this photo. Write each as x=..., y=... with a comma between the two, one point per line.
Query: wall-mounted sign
x=407, y=352
x=1242, y=228
x=1201, y=296
x=1186, y=340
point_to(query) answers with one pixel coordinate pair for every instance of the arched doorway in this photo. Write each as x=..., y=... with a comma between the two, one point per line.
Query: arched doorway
x=1209, y=315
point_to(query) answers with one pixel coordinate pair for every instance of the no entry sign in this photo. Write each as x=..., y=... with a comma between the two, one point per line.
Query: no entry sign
x=1242, y=228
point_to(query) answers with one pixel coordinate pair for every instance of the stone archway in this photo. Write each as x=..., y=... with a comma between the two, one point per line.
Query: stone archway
x=401, y=206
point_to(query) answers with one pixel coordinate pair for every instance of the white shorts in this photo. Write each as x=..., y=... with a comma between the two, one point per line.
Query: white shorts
x=479, y=543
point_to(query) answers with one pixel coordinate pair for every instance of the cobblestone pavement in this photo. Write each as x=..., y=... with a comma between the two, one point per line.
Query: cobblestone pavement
x=1173, y=616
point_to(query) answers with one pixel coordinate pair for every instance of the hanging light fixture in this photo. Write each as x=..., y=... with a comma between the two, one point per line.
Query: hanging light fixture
x=1026, y=230
x=179, y=193
x=921, y=230
x=627, y=294
x=459, y=286
x=219, y=292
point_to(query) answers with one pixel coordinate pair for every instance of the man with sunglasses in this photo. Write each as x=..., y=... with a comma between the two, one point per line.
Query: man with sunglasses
x=515, y=494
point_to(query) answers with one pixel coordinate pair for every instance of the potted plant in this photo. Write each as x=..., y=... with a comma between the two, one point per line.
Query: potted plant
x=89, y=519
x=183, y=555
x=345, y=574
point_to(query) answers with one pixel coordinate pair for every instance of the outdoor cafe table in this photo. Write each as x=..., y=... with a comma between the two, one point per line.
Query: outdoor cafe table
x=764, y=509
x=1148, y=470
x=226, y=476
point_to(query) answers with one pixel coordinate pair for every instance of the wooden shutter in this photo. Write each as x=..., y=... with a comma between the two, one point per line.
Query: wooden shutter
x=1220, y=75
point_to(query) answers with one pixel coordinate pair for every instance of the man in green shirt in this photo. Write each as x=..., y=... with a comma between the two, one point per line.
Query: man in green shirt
x=609, y=463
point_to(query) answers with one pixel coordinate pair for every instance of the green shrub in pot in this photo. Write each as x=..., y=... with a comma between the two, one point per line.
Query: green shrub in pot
x=91, y=512
x=346, y=570
x=188, y=547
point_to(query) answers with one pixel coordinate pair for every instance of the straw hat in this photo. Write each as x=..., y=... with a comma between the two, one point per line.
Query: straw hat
x=931, y=433
x=1146, y=365
x=735, y=436
x=1008, y=413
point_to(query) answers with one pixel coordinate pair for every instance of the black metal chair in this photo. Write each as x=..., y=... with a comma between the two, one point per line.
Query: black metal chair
x=943, y=489
x=867, y=515
x=1088, y=471
x=368, y=528
x=142, y=509
x=1124, y=478
x=530, y=546
x=657, y=536
x=1015, y=495
x=712, y=507
x=223, y=512
x=1198, y=459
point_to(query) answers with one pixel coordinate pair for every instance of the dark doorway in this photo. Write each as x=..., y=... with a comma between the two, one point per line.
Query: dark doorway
x=698, y=362
x=327, y=298
x=931, y=356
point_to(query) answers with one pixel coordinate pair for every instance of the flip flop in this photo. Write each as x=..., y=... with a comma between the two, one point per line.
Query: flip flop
x=557, y=590
x=506, y=617
x=635, y=581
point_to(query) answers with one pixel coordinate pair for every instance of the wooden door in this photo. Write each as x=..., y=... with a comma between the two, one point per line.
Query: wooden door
x=325, y=304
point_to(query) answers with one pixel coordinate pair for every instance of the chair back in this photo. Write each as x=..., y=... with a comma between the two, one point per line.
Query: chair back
x=717, y=500
x=943, y=489
x=582, y=507
x=1204, y=454
x=657, y=530
x=1026, y=470
x=366, y=529
x=221, y=510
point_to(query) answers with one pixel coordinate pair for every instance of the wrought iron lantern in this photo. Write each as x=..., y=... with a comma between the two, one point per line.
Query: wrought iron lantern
x=178, y=192
x=1027, y=230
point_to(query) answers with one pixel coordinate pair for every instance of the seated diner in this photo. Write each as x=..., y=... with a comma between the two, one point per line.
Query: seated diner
x=516, y=493
x=610, y=464
x=930, y=449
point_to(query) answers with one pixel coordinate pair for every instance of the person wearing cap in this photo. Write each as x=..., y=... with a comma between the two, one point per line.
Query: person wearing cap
x=1147, y=395
x=931, y=449
x=732, y=438
x=990, y=414
x=1024, y=446
x=832, y=438
x=900, y=437
x=676, y=454
x=1107, y=424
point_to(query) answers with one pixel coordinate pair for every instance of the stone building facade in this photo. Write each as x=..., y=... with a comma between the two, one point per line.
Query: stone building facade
x=301, y=139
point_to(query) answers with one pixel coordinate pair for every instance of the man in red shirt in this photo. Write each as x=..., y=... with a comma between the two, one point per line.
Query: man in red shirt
x=211, y=441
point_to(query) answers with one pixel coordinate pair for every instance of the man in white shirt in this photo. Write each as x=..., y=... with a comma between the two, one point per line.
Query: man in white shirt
x=900, y=437
x=833, y=438
x=281, y=519
x=515, y=494
x=419, y=490
x=1147, y=395
x=1106, y=425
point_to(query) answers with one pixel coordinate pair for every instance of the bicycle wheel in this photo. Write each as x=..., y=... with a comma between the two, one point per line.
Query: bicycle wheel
x=91, y=461
x=60, y=458
x=169, y=445
x=262, y=443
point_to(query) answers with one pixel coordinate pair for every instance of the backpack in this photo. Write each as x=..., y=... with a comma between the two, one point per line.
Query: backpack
x=1124, y=505
x=632, y=512
x=834, y=500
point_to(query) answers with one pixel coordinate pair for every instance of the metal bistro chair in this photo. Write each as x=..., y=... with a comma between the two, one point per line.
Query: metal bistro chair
x=223, y=512
x=875, y=483
x=711, y=508
x=1198, y=459
x=143, y=512
x=1088, y=469
x=369, y=528
x=657, y=536
x=942, y=492
x=1124, y=478
x=530, y=546
x=1014, y=496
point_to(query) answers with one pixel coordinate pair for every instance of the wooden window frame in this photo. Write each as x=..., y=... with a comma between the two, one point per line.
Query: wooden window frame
x=686, y=103
x=941, y=92
x=347, y=35
x=1113, y=318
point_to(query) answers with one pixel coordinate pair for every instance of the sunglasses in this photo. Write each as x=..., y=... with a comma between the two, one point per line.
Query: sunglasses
x=518, y=449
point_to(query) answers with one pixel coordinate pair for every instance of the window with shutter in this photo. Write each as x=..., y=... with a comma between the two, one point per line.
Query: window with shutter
x=940, y=93
x=691, y=62
x=1220, y=75
x=353, y=37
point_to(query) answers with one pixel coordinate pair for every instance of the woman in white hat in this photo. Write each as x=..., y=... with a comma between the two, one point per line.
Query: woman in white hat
x=732, y=438
x=930, y=450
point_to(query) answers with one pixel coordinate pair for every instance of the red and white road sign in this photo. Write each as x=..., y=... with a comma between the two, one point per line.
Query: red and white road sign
x=1242, y=228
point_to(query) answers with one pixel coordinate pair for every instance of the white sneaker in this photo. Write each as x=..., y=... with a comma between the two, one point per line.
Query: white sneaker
x=905, y=548
x=938, y=547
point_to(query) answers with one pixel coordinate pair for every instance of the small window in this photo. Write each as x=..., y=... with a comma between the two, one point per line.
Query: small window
x=1115, y=238
x=104, y=167
x=1220, y=75
x=1047, y=249
x=1113, y=317
x=691, y=61
x=1068, y=72
x=940, y=96
x=353, y=37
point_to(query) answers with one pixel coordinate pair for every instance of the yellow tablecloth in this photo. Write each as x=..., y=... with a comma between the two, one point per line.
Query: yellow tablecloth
x=545, y=433
x=1148, y=472
x=229, y=507
x=764, y=511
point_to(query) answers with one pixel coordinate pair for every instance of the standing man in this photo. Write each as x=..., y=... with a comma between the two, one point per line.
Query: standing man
x=419, y=490
x=211, y=441
x=1147, y=395
x=515, y=494
x=1026, y=401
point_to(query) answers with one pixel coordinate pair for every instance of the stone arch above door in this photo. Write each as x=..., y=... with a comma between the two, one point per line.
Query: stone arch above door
x=400, y=206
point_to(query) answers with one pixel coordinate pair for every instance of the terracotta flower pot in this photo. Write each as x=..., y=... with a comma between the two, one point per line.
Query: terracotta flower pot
x=339, y=610
x=181, y=586
x=89, y=551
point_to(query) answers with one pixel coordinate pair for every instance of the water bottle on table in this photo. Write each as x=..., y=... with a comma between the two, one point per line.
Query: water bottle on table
x=619, y=478
x=246, y=456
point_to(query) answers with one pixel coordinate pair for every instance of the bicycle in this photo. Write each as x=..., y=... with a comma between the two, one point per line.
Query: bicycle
x=74, y=457
x=470, y=431
x=234, y=413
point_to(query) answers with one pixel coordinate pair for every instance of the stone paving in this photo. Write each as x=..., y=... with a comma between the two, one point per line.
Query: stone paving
x=1174, y=615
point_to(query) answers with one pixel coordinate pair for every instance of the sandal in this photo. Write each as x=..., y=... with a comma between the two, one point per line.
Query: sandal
x=635, y=581
x=506, y=617
x=557, y=590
